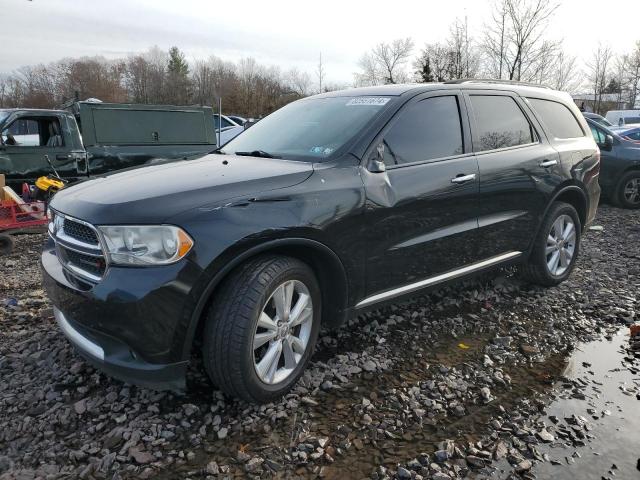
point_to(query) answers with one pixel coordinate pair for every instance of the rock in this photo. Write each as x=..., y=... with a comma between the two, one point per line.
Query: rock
x=80, y=406
x=5, y=464
x=475, y=462
x=523, y=466
x=309, y=401
x=369, y=366
x=141, y=457
x=242, y=456
x=500, y=451
x=441, y=456
x=529, y=350
x=545, y=436
x=403, y=473
x=254, y=464
x=440, y=476
x=212, y=468
x=222, y=433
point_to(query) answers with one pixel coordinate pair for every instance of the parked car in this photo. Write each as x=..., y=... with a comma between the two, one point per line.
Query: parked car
x=226, y=122
x=237, y=119
x=95, y=138
x=228, y=128
x=597, y=118
x=628, y=133
x=623, y=117
x=369, y=195
x=620, y=165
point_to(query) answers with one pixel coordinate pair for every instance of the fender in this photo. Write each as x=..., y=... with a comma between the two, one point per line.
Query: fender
x=560, y=191
x=223, y=272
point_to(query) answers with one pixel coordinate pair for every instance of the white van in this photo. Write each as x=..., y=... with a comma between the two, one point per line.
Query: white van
x=623, y=117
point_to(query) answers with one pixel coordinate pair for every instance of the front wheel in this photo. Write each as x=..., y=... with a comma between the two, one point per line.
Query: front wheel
x=262, y=327
x=555, y=248
x=628, y=192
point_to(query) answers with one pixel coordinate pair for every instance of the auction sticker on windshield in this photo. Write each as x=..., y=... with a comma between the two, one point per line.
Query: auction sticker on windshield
x=376, y=101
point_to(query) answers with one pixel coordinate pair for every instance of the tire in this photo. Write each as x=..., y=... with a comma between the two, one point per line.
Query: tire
x=6, y=244
x=627, y=195
x=232, y=326
x=537, y=269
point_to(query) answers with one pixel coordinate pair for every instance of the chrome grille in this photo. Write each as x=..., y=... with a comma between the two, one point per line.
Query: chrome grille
x=78, y=247
x=80, y=232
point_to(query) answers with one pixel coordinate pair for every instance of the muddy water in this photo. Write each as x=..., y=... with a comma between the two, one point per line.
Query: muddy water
x=605, y=366
x=336, y=411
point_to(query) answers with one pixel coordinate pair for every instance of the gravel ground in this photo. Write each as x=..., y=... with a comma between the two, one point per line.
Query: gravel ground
x=466, y=382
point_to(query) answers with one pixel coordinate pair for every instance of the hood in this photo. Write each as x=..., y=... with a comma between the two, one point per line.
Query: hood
x=155, y=193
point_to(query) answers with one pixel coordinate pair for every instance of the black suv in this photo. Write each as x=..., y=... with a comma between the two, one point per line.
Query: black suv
x=329, y=206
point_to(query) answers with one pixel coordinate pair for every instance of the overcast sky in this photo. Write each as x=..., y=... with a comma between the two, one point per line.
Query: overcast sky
x=284, y=33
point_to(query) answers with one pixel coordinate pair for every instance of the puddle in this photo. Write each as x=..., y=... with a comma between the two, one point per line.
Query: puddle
x=606, y=366
x=595, y=366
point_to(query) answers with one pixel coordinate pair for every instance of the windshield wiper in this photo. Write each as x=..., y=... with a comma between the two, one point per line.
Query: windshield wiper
x=257, y=153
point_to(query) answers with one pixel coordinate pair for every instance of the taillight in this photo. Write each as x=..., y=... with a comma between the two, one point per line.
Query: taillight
x=595, y=170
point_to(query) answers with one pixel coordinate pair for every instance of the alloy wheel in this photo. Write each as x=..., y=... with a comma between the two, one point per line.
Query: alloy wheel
x=561, y=245
x=282, y=333
x=631, y=191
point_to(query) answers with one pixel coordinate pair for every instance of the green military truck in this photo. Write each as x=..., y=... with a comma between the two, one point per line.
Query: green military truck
x=92, y=138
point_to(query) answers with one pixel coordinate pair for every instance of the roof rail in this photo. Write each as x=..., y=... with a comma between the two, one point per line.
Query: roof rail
x=501, y=82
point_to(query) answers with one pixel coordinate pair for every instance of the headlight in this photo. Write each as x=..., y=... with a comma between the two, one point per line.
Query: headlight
x=145, y=245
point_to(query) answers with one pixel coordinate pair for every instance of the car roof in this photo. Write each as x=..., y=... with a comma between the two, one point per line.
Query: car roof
x=524, y=89
x=35, y=111
x=626, y=128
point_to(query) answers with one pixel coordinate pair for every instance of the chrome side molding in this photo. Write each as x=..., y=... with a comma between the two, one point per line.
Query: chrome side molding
x=412, y=287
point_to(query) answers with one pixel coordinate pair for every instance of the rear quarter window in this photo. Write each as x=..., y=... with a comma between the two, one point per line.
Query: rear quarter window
x=558, y=119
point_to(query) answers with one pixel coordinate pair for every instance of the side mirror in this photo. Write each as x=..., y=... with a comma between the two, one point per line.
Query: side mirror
x=608, y=142
x=376, y=161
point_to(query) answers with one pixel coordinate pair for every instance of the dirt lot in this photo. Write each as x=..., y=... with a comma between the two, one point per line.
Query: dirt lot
x=492, y=378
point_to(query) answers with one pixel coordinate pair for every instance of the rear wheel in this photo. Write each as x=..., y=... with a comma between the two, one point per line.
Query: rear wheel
x=555, y=248
x=262, y=327
x=628, y=192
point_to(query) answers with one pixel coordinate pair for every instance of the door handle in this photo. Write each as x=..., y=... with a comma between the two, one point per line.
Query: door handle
x=548, y=163
x=463, y=178
x=62, y=156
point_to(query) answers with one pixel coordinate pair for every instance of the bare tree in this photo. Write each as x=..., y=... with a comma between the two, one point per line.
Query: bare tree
x=599, y=73
x=564, y=74
x=515, y=45
x=299, y=82
x=632, y=74
x=433, y=63
x=385, y=63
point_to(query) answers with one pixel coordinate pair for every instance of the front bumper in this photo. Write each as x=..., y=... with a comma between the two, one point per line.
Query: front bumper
x=133, y=324
x=120, y=362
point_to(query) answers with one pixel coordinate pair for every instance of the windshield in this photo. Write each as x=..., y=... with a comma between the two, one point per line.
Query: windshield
x=309, y=129
x=3, y=115
x=603, y=121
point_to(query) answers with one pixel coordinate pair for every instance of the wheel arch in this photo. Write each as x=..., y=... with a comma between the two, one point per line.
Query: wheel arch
x=324, y=262
x=574, y=196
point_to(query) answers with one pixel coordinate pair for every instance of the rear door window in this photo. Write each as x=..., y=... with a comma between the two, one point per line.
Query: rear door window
x=500, y=123
x=426, y=130
x=558, y=119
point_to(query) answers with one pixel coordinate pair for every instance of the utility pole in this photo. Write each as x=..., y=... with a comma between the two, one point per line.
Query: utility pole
x=320, y=73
